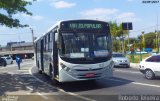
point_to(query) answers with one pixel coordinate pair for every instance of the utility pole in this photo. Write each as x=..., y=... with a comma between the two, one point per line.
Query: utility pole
x=122, y=43
x=143, y=41
x=32, y=35
x=33, y=45
x=128, y=41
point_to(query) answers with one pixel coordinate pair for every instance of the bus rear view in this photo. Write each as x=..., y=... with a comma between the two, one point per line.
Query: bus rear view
x=82, y=51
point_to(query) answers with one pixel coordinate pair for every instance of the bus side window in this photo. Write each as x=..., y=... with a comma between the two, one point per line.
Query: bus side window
x=49, y=43
x=55, y=39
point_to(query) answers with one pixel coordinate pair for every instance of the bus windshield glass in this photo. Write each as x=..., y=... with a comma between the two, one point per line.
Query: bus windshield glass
x=85, y=45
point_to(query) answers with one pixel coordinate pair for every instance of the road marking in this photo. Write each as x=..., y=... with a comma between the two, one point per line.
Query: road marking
x=20, y=83
x=11, y=73
x=136, y=83
x=29, y=88
x=2, y=68
x=22, y=70
x=128, y=72
x=37, y=93
x=45, y=97
x=57, y=88
x=74, y=94
x=144, y=84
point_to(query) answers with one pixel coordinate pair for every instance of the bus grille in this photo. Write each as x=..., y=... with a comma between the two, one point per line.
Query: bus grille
x=84, y=76
x=89, y=69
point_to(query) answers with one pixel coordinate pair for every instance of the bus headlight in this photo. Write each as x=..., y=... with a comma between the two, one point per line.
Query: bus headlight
x=64, y=67
x=111, y=65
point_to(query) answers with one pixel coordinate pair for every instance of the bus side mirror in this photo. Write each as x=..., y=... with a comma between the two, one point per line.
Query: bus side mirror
x=56, y=37
x=56, y=43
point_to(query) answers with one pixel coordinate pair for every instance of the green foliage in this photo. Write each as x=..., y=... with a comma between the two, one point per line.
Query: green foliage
x=150, y=39
x=117, y=33
x=136, y=57
x=11, y=7
x=116, y=45
x=113, y=29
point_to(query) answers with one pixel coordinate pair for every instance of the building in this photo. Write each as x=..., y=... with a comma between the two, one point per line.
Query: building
x=22, y=46
x=24, y=49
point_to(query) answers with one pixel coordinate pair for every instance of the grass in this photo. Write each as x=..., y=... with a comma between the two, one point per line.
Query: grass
x=136, y=57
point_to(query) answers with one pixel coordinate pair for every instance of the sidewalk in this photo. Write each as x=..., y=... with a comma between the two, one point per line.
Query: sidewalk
x=134, y=65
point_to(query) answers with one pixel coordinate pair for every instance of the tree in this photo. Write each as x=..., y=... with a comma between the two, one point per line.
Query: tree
x=117, y=33
x=10, y=8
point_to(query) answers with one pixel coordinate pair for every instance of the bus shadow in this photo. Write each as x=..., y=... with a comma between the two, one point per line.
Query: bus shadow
x=157, y=78
x=78, y=86
x=93, y=85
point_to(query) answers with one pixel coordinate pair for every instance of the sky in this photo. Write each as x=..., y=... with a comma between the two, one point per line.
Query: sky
x=144, y=16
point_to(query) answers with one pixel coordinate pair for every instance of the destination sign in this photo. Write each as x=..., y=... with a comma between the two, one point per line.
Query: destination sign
x=84, y=26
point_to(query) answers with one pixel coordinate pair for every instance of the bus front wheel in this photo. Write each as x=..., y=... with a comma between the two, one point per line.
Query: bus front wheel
x=39, y=70
x=51, y=74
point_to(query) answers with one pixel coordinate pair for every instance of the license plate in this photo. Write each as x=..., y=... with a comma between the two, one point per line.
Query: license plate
x=90, y=75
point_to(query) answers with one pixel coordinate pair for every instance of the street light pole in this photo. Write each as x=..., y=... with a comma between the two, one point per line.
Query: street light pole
x=33, y=45
x=143, y=40
x=157, y=41
x=122, y=44
x=32, y=35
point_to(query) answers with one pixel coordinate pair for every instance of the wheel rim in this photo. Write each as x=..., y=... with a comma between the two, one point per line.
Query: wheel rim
x=149, y=74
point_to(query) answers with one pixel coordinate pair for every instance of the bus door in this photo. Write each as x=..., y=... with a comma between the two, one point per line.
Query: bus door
x=55, y=54
x=41, y=55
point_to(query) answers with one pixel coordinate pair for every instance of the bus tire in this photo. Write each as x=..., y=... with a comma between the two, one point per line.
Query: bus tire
x=39, y=70
x=51, y=74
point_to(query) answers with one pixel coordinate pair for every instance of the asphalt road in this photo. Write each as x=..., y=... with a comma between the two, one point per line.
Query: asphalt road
x=127, y=84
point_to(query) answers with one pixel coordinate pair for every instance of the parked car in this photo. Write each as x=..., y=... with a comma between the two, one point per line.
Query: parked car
x=141, y=52
x=2, y=62
x=150, y=66
x=154, y=53
x=8, y=60
x=120, y=60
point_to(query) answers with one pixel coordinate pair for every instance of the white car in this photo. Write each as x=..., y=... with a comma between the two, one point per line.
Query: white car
x=8, y=60
x=150, y=66
x=120, y=60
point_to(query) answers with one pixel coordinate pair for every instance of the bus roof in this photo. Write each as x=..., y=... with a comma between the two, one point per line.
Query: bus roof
x=59, y=22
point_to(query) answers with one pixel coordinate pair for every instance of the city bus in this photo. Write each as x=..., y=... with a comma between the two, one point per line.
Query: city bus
x=75, y=50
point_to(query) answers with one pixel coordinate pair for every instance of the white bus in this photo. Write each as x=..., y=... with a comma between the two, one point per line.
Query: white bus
x=75, y=50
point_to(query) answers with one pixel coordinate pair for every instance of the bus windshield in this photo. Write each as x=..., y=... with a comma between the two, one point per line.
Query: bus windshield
x=85, y=45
